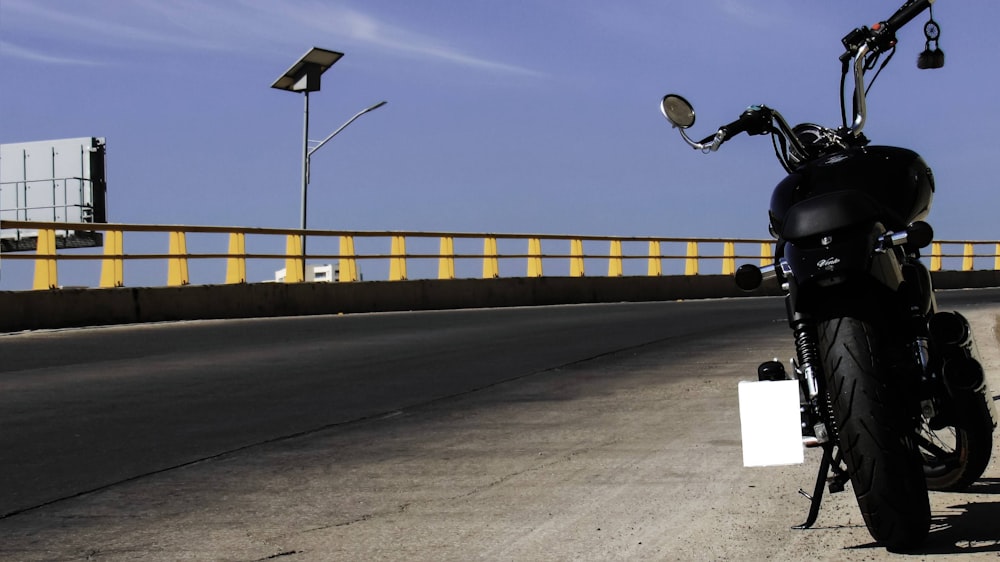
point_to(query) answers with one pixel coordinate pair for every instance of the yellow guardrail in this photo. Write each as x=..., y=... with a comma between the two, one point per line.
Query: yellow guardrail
x=112, y=260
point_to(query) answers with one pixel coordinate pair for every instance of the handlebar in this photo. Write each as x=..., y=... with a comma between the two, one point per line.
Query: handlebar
x=727, y=132
x=882, y=35
x=906, y=13
x=863, y=41
x=750, y=120
x=755, y=120
x=862, y=44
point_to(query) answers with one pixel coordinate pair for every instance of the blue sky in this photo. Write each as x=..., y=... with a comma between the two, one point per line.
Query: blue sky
x=502, y=116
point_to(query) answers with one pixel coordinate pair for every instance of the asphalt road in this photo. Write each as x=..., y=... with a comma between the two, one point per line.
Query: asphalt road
x=579, y=432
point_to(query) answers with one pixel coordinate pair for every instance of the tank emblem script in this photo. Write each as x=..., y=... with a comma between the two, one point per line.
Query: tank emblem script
x=828, y=263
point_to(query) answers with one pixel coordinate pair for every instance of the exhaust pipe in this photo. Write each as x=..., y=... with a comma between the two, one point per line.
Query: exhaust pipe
x=961, y=370
x=951, y=329
x=953, y=335
x=963, y=374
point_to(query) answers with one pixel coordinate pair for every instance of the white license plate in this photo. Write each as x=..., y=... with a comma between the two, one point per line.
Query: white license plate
x=770, y=423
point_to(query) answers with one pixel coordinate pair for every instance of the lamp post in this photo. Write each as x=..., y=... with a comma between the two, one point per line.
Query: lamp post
x=304, y=76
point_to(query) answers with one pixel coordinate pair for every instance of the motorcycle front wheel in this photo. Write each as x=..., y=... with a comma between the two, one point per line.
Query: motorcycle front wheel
x=875, y=435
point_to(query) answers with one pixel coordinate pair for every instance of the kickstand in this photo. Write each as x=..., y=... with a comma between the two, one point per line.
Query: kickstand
x=840, y=476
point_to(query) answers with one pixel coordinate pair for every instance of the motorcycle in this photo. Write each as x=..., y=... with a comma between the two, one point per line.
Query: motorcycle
x=891, y=389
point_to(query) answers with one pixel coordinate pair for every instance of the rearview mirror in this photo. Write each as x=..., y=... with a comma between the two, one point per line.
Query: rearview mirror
x=677, y=110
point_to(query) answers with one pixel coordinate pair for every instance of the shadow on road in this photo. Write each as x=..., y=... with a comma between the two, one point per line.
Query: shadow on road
x=972, y=528
x=968, y=528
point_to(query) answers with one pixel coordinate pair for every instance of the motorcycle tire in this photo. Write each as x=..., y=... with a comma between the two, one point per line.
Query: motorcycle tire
x=875, y=435
x=955, y=457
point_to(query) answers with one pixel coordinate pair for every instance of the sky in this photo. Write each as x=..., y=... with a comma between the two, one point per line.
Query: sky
x=508, y=117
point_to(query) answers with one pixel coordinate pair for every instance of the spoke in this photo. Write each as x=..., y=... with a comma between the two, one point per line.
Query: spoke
x=932, y=448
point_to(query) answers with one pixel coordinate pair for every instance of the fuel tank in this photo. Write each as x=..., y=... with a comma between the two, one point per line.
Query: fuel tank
x=898, y=180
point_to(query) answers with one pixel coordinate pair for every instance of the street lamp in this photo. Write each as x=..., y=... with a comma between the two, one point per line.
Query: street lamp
x=304, y=76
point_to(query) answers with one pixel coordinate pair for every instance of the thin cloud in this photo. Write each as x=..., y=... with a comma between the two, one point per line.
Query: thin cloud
x=91, y=25
x=14, y=51
x=240, y=25
x=368, y=30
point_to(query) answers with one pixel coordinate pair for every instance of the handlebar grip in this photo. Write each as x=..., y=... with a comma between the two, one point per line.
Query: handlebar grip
x=737, y=127
x=882, y=35
x=728, y=131
x=906, y=13
x=754, y=121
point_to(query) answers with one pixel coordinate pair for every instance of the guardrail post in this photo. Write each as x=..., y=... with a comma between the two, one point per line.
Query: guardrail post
x=348, y=263
x=446, y=258
x=615, y=261
x=967, y=257
x=728, y=258
x=936, y=256
x=691, y=263
x=397, y=263
x=576, y=267
x=766, y=257
x=236, y=263
x=996, y=257
x=177, y=266
x=655, y=267
x=294, y=264
x=534, y=257
x=112, y=270
x=491, y=264
x=46, y=276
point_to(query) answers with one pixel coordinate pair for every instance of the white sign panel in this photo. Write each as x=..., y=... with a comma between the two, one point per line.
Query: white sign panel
x=52, y=181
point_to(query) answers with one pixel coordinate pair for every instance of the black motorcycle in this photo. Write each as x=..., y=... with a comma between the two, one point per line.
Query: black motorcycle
x=891, y=388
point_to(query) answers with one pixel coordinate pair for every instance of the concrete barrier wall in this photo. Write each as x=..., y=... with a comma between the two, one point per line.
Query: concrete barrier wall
x=31, y=310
